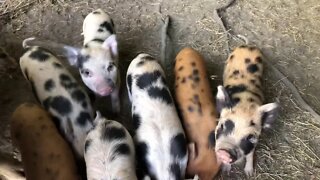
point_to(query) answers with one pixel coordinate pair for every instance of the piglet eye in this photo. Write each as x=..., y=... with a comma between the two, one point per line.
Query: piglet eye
x=86, y=72
x=110, y=67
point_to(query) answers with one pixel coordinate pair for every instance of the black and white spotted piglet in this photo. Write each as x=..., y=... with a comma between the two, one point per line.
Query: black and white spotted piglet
x=59, y=93
x=97, y=61
x=109, y=151
x=159, y=136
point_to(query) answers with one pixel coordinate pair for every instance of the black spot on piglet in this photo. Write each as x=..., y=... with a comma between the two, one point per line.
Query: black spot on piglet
x=235, y=101
x=252, y=68
x=180, y=68
x=107, y=26
x=67, y=82
x=183, y=80
x=39, y=55
x=147, y=79
x=46, y=103
x=140, y=63
x=160, y=93
x=61, y=104
x=175, y=170
x=246, y=145
x=49, y=85
x=259, y=59
x=113, y=133
x=121, y=149
x=178, y=146
x=136, y=121
x=142, y=162
x=78, y=95
x=235, y=89
x=229, y=126
x=195, y=72
x=253, y=81
x=83, y=118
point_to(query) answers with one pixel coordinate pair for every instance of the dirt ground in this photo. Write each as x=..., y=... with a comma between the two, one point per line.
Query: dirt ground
x=287, y=31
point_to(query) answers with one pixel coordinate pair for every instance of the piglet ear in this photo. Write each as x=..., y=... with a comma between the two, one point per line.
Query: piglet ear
x=111, y=44
x=222, y=99
x=72, y=54
x=269, y=113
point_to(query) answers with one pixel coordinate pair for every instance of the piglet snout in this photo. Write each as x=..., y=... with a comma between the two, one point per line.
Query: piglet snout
x=227, y=156
x=105, y=88
x=104, y=91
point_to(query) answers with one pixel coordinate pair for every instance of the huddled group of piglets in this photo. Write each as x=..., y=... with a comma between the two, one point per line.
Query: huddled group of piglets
x=173, y=139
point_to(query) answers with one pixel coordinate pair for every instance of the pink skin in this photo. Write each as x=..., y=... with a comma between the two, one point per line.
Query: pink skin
x=102, y=87
x=224, y=156
x=104, y=91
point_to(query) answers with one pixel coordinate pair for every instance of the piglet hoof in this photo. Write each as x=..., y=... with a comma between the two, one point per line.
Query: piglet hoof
x=192, y=150
x=248, y=171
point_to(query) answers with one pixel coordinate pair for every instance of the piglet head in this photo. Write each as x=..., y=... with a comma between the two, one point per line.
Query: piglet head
x=98, y=64
x=239, y=127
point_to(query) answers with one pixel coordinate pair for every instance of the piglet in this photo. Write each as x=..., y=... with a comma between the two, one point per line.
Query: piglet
x=242, y=113
x=97, y=60
x=109, y=151
x=194, y=97
x=159, y=136
x=60, y=94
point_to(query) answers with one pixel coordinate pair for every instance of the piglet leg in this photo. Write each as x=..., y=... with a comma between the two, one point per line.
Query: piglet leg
x=249, y=164
x=192, y=150
x=192, y=155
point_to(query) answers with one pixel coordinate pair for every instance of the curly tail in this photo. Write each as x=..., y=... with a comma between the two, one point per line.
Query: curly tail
x=24, y=42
